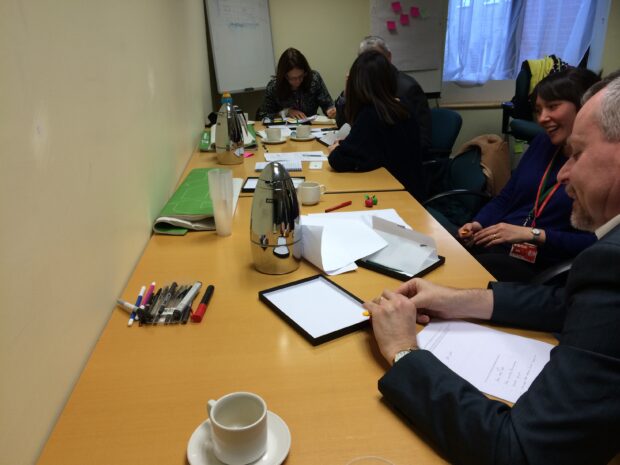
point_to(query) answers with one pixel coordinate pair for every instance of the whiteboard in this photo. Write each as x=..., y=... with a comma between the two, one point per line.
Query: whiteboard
x=240, y=32
x=417, y=38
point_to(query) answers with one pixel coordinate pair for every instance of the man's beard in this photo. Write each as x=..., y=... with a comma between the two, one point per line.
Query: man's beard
x=580, y=219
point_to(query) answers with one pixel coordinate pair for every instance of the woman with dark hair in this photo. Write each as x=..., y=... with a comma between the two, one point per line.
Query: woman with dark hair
x=296, y=91
x=383, y=131
x=526, y=228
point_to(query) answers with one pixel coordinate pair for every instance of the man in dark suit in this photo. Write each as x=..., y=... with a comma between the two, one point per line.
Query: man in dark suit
x=571, y=412
x=407, y=89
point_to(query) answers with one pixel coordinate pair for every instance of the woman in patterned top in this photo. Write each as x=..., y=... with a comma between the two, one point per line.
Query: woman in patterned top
x=296, y=91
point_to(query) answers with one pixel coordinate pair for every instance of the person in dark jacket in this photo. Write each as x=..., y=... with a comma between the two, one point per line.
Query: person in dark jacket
x=571, y=412
x=296, y=91
x=407, y=89
x=384, y=133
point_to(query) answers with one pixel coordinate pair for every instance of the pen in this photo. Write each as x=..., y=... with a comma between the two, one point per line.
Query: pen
x=200, y=311
x=184, y=306
x=170, y=292
x=138, y=302
x=311, y=155
x=145, y=302
x=144, y=314
x=127, y=306
x=340, y=205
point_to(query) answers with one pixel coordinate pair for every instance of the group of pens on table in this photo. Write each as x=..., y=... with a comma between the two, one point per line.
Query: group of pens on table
x=168, y=306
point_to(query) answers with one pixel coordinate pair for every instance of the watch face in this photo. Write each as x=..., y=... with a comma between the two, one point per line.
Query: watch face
x=536, y=231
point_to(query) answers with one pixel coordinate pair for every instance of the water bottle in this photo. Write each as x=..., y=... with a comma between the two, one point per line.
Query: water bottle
x=228, y=134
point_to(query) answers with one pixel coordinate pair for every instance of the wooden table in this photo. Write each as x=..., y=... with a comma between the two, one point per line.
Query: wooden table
x=378, y=180
x=144, y=389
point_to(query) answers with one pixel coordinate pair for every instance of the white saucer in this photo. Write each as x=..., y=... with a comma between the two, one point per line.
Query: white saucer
x=281, y=141
x=303, y=139
x=200, y=447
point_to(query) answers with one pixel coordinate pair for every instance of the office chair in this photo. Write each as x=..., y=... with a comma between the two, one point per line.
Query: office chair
x=446, y=125
x=554, y=275
x=463, y=191
x=517, y=114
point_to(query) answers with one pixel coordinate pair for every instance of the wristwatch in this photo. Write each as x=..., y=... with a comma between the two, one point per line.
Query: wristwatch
x=535, y=234
x=401, y=353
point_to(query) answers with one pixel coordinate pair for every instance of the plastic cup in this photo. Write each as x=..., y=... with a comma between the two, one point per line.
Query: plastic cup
x=221, y=191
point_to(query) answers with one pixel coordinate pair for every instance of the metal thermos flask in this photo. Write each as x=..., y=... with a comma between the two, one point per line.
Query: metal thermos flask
x=228, y=134
x=275, y=232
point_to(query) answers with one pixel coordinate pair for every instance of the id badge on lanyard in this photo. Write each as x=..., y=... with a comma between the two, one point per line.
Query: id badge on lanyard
x=527, y=251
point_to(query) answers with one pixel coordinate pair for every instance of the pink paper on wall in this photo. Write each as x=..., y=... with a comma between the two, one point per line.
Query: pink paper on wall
x=415, y=12
x=391, y=25
x=404, y=19
x=396, y=7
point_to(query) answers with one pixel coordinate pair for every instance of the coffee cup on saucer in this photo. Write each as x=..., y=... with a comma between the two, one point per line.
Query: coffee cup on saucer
x=310, y=192
x=273, y=134
x=303, y=132
x=239, y=427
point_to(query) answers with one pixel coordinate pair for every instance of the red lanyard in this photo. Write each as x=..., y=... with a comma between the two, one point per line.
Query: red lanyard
x=538, y=205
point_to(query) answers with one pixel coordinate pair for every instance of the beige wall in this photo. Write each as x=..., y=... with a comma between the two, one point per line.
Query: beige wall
x=101, y=104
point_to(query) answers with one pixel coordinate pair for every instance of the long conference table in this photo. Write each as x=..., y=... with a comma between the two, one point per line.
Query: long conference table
x=144, y=389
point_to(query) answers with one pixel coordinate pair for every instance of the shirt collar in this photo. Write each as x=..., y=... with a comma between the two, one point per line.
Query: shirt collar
x=611, y=224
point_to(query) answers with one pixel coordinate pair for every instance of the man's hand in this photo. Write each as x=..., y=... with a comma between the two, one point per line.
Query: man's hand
x=393, y=323
x=297, y=114
x=331, y=112
x=434, y=301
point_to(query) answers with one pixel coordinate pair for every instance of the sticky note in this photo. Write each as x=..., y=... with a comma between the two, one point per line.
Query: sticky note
x=396, y=7
x=415, y=12
x=404, y=19
x=391, y=26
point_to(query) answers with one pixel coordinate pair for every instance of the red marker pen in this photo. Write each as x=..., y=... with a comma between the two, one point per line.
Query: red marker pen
x=200, y=311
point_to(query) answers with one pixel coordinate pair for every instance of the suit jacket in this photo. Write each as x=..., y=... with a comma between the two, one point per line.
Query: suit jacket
x=570, y=414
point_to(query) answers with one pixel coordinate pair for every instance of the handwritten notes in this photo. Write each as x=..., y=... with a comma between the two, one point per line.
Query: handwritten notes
x=498, y=363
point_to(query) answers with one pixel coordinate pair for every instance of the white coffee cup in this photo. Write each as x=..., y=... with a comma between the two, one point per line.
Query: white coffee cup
x=303, y=132
x=239, y=427
x=310, y=192
x=273, y=134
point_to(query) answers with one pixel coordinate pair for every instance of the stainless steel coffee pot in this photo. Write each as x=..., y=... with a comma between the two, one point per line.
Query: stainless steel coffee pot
x=275, y=231
x=229, y=134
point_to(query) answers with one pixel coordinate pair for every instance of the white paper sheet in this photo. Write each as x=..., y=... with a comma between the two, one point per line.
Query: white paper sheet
x=407, y=250
x=334, y=245
x=315, y=155
x=497, y=363
x=334, y=241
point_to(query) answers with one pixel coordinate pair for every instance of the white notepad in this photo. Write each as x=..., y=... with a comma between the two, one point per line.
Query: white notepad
x=289, y=165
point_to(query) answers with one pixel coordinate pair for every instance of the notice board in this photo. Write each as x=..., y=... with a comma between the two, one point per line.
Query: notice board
x=240, y=33
x=415, y=31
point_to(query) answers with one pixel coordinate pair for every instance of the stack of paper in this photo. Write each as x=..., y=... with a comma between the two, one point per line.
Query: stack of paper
x=334, y=241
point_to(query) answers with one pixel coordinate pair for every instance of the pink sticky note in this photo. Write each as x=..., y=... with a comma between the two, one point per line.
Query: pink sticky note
x=396, y=7
x=404, y=19
x=415, y=12
x=248, y=155
x=391, y=25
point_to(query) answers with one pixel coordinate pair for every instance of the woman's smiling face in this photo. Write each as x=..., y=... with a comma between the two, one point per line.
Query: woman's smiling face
x=557, y=118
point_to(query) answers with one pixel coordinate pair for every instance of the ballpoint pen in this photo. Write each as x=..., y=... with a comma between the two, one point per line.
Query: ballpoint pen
x=164, y=302
x=138, y=302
